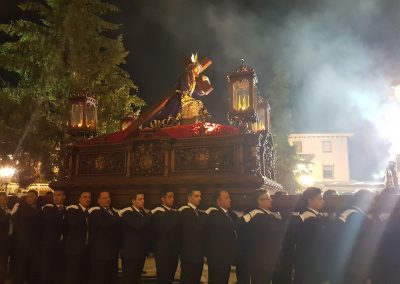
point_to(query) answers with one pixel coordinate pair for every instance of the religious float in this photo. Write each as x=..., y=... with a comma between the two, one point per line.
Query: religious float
x=173, y=144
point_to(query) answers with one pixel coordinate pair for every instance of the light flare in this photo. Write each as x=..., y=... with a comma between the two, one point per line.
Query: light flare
x=7, y=172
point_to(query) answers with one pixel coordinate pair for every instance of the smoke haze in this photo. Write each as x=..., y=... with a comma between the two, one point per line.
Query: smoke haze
x=342, y=57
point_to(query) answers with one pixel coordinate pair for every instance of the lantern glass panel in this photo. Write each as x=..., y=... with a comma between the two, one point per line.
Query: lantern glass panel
x=261, y=119
x=77, y=114
x=255, y=97
x=241, y=95
x=254, y=127
x=91, y=116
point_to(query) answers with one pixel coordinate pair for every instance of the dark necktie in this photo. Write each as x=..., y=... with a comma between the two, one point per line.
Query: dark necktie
x=10, y=225
x=141, y=212
x=86, y=214
x=229, y=216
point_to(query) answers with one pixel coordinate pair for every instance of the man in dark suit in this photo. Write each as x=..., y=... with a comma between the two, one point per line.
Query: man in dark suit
x=354, y=250
x=26, y=220
x=135, y=239
x=310, y=240
x=221, y=238
x=104, y=240
x=266, y=236
x=52, y=239
x=192, y=221
x=5, y=235
x=389, y=250
x=76, y=241
x=165, y=222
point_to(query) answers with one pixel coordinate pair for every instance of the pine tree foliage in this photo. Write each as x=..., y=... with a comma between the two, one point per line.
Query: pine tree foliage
x=282, y=126
x=60, y=49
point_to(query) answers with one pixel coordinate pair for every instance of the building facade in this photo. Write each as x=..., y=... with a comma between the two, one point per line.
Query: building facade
x=325, y=155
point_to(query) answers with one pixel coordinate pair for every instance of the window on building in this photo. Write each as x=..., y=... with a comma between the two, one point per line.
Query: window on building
x=327, y=171
x=326, y=146
x=298, y=146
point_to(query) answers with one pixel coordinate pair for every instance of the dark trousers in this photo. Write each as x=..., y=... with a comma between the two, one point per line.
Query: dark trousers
x=52, y=265
x=307, y=278
x=355, y=279
x=282, y=277
x=166, y=268
x=283, y=273
x=104, y=271
x=77, y=269
x=242, y=274
x=131, y=270
x=3, y=266
x=218, y=275
x=27, y=266
x=191, y=272
x=261, y=277
x=12, y=253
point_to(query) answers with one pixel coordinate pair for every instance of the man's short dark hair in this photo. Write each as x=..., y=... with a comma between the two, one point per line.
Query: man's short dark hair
x=259, y=193
x=363, y=197
x=166, y=190
x=135, y=194
x=62, y=190
x=217, y=194
x=310, y=193
x=100, y=192
x=190, y=190
x=34, y=192
x=85, y=191
x=330, y=192
x=280, y=192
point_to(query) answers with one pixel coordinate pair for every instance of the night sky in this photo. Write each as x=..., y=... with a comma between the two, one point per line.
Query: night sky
x=342, y=57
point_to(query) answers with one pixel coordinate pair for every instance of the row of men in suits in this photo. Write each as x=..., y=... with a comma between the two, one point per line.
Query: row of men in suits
x=358, y=245
x=32, y=239
x=56, y=244
x=264, y=246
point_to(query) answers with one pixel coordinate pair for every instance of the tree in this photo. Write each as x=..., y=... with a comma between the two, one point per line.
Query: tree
x=282, y=125
x=65, y=48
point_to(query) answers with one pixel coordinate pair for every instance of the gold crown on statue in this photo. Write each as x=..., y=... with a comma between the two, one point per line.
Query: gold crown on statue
x=194, y=58
x=194, y=61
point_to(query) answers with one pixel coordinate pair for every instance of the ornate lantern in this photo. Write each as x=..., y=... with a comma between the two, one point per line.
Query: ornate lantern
x=263, y=116
x=243, y=98
x=83, y=114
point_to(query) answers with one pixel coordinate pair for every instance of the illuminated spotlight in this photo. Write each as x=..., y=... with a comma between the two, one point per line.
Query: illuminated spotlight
x=7, y=172
x=306, y=180
x=302, y=167
x=375, y=176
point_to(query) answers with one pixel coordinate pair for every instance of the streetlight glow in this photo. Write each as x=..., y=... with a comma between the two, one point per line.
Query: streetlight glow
x=7, y=172
x=306, y=180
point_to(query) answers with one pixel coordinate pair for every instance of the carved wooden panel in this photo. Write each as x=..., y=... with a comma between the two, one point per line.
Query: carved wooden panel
x=111, y=163
x=204, y=159
x=251, y=161
x=148, y=159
